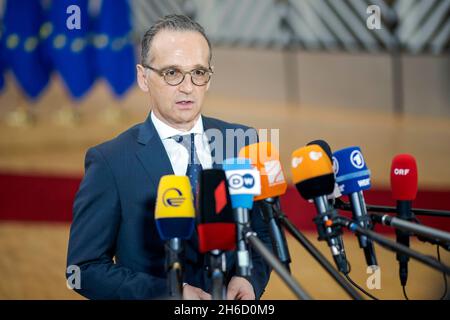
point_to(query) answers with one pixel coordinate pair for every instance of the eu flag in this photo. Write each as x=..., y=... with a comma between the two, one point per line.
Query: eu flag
x=22, y=47
x=115, y=54
x=70, y=50
x=2, y=57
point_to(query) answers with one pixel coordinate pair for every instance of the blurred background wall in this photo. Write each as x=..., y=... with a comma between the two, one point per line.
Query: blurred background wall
x=312, y=69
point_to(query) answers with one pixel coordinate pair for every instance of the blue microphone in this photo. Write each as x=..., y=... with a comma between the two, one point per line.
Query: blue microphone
x=243, y=184
x=353, y=177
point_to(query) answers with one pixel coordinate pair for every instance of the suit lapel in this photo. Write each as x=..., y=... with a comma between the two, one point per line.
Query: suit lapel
x=153, y=155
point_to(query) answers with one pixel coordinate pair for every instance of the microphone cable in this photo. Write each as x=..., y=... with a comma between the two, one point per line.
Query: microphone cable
x=347, y=275
x=444, y=295
x=438, y=254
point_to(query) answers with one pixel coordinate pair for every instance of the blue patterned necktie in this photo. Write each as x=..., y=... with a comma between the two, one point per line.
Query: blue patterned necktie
x=194, y=166
x=193, y=169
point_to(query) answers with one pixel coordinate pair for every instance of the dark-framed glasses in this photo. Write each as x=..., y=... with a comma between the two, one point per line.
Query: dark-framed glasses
x=174, y=76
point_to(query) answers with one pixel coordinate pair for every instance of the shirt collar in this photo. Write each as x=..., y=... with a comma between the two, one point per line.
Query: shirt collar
x=165, y=131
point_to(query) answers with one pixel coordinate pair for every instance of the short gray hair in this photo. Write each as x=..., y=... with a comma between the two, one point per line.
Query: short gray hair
x=175, y=22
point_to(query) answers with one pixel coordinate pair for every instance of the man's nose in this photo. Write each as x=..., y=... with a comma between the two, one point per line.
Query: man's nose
x=186, y=86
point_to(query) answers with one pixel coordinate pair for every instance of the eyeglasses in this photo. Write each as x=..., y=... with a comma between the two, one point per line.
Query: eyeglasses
x=174, y=76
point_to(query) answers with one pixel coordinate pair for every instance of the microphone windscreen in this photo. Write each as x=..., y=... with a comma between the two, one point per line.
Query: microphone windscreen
x=312, y=172
x=243, y=182
x=324, y=145
x=216, y=227
x=404, y=178
x=265, y=157
x=174, y=211
x=352, y=174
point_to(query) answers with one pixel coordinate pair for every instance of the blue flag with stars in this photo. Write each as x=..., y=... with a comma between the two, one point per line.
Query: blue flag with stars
x=2, y=63
x=22, y=47
x=115, y=54
x=70, y=49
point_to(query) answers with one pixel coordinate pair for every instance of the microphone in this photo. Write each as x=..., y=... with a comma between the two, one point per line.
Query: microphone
x=404, y=190
x=265, y=158
x=216, y=227
x=215, y=213
x=326, y=147
x=352, y=177
x=243, y=184
x=174, y=218
x=313, y=175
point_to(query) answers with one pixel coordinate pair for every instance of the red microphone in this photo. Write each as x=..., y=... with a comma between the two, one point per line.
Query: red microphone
x=404, y=190
x=404, y=178
x=216, y=226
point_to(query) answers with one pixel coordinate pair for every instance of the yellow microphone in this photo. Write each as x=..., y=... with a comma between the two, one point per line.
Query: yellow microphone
x=174, y=212
x=174, y=217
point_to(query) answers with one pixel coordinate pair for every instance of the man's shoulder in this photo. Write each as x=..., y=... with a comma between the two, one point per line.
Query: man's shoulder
x=122, y=142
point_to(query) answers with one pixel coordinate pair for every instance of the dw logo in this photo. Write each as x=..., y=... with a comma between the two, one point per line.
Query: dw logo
x=237, y=181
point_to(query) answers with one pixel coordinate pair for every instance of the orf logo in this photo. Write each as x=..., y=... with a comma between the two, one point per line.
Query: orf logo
x=357, y=159
x=236, y=181
x=401, y=172
x=173, y=198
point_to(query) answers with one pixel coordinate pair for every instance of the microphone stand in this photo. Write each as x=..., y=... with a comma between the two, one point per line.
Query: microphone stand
x=174, y=268
x=218, y=267
x=277, y=235
x=423, y=233
x=277, y=266
x=332, y=234
x=318, y=256
x=242, y=218
x=339, y=204
x=391, y=245
x=246, y=235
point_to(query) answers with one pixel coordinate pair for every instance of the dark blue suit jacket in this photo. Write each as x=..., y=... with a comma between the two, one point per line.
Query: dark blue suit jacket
x=113, y=236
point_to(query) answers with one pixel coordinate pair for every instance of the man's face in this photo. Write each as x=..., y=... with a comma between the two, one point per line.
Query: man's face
x=180, y=105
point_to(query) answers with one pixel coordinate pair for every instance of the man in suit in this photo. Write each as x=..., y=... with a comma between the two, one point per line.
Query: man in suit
x=113, y=237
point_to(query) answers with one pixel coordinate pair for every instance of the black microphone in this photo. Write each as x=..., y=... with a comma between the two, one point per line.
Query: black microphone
x=216, y=226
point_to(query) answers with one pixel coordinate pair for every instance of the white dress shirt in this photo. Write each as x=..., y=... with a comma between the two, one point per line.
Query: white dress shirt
x=178, y=154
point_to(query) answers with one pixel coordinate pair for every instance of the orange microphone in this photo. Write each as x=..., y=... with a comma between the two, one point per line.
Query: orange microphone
x=313, y=175
x=265, y=157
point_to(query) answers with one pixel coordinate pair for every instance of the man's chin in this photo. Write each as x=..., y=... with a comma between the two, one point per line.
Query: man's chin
x=187, y=116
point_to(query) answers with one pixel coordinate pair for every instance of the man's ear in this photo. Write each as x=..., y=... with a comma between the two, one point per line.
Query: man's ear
x=209, y=82
x=141, y=75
